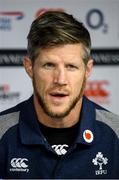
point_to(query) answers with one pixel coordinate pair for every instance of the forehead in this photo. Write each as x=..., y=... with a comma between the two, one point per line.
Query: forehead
x=64, y=52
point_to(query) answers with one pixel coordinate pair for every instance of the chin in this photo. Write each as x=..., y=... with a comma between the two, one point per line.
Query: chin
x=58, y=114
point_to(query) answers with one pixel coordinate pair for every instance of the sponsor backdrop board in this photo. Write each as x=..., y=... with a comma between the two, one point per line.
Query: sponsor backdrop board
x=102, y=87
x=99, y=16
x=15, y=86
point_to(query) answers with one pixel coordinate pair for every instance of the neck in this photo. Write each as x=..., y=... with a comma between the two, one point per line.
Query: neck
x=71, y=119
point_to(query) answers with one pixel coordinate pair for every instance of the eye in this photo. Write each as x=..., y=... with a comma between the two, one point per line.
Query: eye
x=71, y=67
x=48, y=66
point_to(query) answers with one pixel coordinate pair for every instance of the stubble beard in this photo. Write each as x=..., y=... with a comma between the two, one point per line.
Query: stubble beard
x=45, y=107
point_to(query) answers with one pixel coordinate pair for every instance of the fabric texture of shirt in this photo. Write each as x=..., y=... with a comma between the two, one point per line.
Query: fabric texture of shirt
x=26, y=154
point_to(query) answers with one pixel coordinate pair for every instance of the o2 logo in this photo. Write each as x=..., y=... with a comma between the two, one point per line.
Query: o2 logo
x=95, y=20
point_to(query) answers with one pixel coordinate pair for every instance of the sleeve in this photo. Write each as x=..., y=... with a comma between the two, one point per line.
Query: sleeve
x=2, y=160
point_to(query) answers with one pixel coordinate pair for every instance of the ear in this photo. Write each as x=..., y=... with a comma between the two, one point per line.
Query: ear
x=89, y=68
x=28, y=66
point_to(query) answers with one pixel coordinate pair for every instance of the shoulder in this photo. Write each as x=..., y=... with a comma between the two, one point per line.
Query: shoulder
x=104, y=117
x=108, y=118
x=10, y=117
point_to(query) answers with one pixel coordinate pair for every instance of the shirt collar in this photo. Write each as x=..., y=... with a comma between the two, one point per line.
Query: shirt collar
x=29, y=127
x=86, y=132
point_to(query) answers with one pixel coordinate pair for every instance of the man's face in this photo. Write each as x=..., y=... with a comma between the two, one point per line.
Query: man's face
x=59, y=76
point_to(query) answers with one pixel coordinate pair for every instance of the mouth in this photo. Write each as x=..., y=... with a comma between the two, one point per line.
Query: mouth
x=58, y=96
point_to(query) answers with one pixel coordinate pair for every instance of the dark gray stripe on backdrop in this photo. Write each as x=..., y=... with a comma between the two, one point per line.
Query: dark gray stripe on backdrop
x=100, y=56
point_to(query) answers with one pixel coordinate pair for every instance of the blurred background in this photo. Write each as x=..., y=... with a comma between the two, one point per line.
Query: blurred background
x=101, y=17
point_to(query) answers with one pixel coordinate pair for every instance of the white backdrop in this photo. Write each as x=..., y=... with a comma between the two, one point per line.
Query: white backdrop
x=101, y=17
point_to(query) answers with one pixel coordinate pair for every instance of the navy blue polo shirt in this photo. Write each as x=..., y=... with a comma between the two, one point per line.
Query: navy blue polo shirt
x=25, y=152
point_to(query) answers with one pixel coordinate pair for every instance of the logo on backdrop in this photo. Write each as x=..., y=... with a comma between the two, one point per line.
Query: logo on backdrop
x=95, y=20
x=43, y=10
x=97, y=91
x=7, y=18
x=7, y=96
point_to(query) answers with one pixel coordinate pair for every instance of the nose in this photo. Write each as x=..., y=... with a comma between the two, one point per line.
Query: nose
x=60, y=76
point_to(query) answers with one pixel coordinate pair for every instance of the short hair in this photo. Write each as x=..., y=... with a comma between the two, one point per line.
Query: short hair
x=53, y=29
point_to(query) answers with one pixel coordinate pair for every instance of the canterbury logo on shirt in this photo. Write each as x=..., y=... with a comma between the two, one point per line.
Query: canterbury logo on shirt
x=60, y=149
x=19, y=163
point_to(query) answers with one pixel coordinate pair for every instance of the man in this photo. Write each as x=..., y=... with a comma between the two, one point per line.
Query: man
x=58, y=133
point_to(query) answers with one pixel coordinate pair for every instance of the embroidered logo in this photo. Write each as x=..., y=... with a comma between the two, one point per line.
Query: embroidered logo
x=99, y=161
x=88, y=136
x=19, y=164
x=60, y=149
